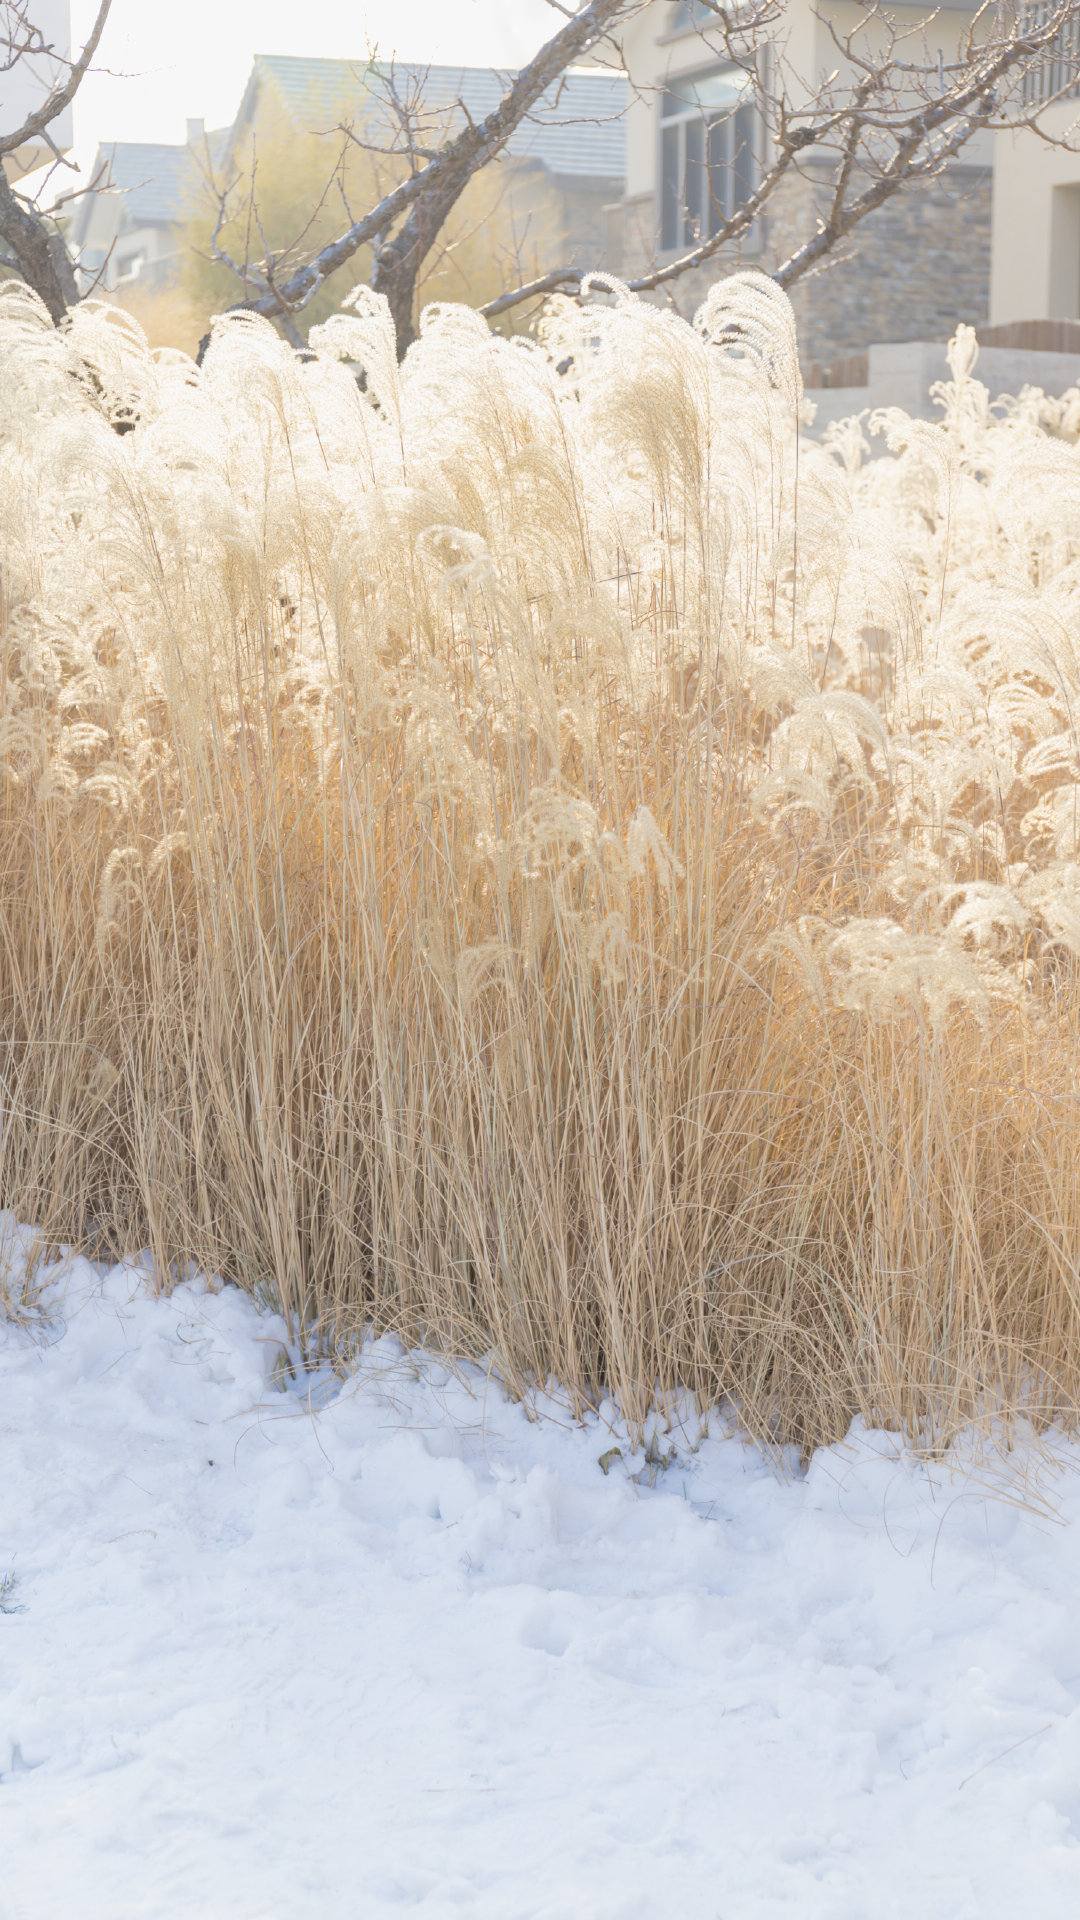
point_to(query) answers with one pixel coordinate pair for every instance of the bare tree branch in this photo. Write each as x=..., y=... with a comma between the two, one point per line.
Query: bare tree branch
x=32, y=239
x=923, y=111
x=428, y=195
x=39, y=252
x=36, y=124
x=893, y=113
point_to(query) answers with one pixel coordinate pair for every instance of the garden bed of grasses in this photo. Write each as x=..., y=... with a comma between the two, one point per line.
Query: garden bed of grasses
x=530, y=853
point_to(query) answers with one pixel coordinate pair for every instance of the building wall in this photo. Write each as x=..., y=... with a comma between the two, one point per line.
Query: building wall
x=1036, y=226
x=911, y=271
x=108, y=243
x=547, y=220
x=631, y=249
x=27, y=84
x=902, y=376
x=807, y=50
x=914, y=268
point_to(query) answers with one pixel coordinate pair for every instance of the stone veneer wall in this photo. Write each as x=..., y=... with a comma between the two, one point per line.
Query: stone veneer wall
x=910, y=271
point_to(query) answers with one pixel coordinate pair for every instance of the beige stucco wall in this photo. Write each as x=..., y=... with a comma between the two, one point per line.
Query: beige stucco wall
x=1035, y=270
x=927, y=32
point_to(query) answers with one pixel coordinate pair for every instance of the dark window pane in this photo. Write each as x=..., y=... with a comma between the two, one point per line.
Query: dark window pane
x=744, y=163
x=670, y=189
x=695, y=186
x=719, y=175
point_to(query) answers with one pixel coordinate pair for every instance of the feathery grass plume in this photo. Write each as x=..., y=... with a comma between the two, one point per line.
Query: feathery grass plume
x=523, y=850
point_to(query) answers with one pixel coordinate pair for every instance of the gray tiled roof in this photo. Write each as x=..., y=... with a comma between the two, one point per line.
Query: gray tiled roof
x=157, y=181
x=577, y=126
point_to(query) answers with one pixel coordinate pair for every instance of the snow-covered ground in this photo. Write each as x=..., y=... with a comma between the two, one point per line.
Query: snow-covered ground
x=275, y=1648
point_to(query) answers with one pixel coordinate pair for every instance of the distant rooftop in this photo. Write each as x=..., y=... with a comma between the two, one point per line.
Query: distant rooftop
x=156, y=179
x=577, y=126
x=576, y=129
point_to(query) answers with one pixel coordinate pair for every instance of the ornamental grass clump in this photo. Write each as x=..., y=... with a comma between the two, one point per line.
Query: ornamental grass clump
x=528, y=851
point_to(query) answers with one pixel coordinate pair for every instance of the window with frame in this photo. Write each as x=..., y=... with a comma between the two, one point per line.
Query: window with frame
x=708, y=162
x=1056, y=75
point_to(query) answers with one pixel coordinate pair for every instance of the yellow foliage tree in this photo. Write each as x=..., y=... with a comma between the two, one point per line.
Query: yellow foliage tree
x=288, y=192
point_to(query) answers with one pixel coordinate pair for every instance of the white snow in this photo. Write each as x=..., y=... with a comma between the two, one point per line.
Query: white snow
x=387, y=1645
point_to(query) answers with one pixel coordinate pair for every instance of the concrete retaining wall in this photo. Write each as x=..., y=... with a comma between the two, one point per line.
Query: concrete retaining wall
x=901, y=375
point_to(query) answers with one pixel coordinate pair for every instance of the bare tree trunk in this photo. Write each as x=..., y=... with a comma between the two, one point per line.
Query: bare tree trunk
x=32, y=240
x=425, y=199
x=38, y=251
x=398, y=263
x=395, y=277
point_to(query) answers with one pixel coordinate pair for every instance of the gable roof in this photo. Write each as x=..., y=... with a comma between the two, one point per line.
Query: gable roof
x=576, y=127
x=154, y=179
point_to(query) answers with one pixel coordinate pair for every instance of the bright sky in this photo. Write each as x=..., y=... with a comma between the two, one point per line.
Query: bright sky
x=180, y=59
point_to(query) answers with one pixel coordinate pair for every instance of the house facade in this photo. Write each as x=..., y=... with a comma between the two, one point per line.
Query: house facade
x=1035, y=272
x=637, y=167
x=130, y=229
x=695, y=147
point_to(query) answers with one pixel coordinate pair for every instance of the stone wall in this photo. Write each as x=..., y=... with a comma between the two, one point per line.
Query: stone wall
x=911, y=270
